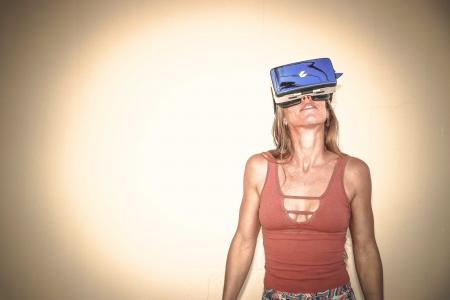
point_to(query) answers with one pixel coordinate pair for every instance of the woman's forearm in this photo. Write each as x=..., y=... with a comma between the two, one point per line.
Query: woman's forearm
x=370, y=272
x=239, y=259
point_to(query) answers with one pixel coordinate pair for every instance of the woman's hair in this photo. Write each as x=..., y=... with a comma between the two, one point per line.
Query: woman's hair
x=283, y=140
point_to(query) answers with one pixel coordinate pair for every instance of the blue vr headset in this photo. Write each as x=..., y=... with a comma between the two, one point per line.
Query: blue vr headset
x=314, y=77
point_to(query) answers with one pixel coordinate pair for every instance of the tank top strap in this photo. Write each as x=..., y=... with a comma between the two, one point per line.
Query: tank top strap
x=270, y=181
x=271, y=161
x=338, y=180
x=342, y=163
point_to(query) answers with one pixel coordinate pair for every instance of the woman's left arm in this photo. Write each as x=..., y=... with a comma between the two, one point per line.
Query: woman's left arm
x=365, y=250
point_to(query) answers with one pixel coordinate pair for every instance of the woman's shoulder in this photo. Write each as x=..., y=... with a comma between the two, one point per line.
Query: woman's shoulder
x=263, y=159
x=259, y=160
x=356, y=175
x=356, y=164
x=256, y=169
x=258, y=166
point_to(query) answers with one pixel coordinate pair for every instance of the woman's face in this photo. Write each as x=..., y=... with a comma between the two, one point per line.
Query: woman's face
x=303, y=114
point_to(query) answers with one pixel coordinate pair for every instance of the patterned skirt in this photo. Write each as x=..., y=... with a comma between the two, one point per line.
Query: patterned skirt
x=342, y=292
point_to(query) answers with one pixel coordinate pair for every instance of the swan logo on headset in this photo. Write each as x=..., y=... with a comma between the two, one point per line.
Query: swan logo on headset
x=314, y=77
x=302, y=74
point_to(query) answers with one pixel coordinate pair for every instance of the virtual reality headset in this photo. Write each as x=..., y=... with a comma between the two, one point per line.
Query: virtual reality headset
x=291, y=82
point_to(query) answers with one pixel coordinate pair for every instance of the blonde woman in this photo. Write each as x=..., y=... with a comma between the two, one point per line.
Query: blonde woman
x=304, y=195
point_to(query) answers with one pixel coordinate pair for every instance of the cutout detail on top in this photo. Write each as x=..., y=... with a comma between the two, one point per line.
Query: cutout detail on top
x=300, y=210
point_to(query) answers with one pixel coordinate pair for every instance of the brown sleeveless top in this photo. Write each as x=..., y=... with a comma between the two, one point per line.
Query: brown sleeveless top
x=304, y=254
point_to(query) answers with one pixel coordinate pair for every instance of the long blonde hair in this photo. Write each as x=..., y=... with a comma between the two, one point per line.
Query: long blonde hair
x=283, y=140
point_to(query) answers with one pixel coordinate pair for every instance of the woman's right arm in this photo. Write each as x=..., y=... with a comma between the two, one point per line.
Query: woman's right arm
x=243, y=244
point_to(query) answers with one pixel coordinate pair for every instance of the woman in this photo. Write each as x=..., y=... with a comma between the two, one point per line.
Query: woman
x=305, y=194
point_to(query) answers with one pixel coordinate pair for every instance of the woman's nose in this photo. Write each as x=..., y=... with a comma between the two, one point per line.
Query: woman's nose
x=307, y=98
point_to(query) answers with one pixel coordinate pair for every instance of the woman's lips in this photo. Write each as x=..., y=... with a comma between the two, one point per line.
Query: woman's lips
x=307, y=108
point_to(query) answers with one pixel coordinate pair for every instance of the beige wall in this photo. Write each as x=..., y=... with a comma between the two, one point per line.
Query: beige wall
x=126, y=126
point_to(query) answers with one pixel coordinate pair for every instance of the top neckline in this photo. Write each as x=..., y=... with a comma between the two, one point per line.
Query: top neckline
x=308, y=197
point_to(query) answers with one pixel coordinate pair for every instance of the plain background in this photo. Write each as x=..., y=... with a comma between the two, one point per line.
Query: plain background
x=126, y=125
